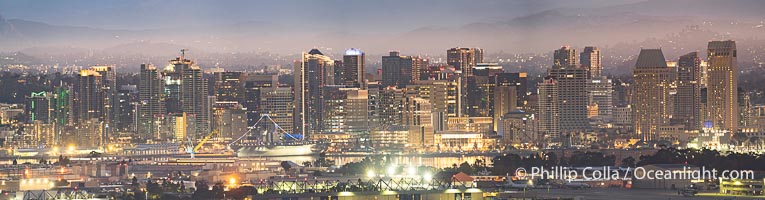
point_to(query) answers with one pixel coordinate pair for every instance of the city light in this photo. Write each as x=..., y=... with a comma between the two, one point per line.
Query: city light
x=427, y=177
x=392, y=170
x=370, y=173
x=411, y=171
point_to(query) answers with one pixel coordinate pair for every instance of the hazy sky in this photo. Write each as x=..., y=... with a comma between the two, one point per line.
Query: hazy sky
x=382, y=15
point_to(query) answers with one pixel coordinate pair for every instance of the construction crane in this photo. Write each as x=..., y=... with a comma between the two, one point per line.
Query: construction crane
x=191, y=149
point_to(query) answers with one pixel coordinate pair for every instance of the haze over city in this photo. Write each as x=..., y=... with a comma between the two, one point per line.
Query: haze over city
x=394, y=99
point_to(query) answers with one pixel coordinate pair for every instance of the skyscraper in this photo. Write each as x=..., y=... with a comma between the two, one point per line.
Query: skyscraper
x=309, y=86
x=227, y=87
x=464, y=59
x=194, y=95
x=89, y=96
x=652, y=100
x=590, y=60
x=549, y=115
x=39, y=107
x=565, y=57
x=722, y=100
x=400, y=70
x=572, y=82
x=353, y=68
x=151, y=108
x=279, y=105
x=601, y=91
x=688, y=99
x=253, y=85
x=127, y=96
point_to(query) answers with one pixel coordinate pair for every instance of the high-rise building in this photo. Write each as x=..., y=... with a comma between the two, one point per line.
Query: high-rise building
x=505, y=100
x=309, y=86
x=253, y=84
x=651, y=98
x=565, y=57
x=572, y=85
x=722, y=100
x=39, y=107
x=151, y=107
x=600, y=92
x=127, y=101
x=278, y=104
x=89, y=96
x=227, y=86
x=688, y=98
x=353, y=68
x=62, y=106
x=590, y=60
x=519, y=81
x=443, y=96
x=391, y=102
x=194, y=96
x=419, y=117
x=464, y=59
x=548, y=109
x=346, y=112
x=400, y=70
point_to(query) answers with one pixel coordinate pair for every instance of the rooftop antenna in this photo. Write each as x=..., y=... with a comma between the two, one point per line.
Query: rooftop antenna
x=183, y=53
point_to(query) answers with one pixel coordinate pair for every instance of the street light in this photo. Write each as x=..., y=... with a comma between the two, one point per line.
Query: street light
x=392, y=170
x=428, y=177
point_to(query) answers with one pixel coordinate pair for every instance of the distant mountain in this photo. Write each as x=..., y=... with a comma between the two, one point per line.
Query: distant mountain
x=537, y=32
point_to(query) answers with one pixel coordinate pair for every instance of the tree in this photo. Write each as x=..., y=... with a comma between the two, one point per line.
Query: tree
x=286, y=166
x=135, y=182
x=628, y=162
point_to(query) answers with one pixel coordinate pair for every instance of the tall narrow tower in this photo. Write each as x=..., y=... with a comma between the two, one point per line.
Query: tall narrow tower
x=722, y=100
x=651, y=98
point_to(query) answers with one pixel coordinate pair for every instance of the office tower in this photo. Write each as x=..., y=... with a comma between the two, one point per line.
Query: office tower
x=548, y=109
x=572, y=92
x=400, y=70
x=353, y=68
x=419, y=117
x=391, y=102
x=565, y=57
x=62, y=106
x=127, y=101
x=39, y=107
x=109, y=81
x=151, y=108
x=722, y=83
x=480, y=96
x=309, y=86
x=464, y=59
x=443, y=96
x=600, y=94
x=229, y=121
x=89, y=96
x=346, y=112
x=480, y=99
x=278, y=104
x=227, y=87
x=745, y=113
x=505, y=100
x=90, y=133
x=253, y=84
x=688, y=99
x=373, y=104
x=590, y=60
x=519, y=81
x=651, y=97
x=194, y=96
